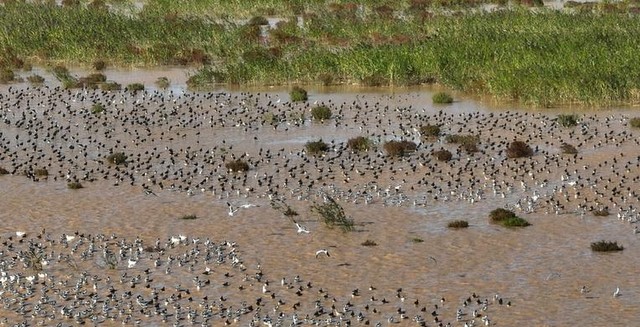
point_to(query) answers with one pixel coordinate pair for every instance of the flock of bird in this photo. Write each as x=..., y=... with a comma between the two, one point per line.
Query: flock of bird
x=182, y=142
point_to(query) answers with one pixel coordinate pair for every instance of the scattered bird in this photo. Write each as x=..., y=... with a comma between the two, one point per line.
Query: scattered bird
x=322, y=251
x=302, y=229
x=617, y=292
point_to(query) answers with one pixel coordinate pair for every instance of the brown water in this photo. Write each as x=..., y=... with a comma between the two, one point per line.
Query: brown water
x=539, y=269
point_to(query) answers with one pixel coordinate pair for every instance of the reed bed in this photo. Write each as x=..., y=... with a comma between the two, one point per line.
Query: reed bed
x=540, y=57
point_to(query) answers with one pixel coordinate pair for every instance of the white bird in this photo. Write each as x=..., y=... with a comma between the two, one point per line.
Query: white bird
x=617, y=292
x=132, y=263
x=302, y=229
x=20, y=234
x=232, y=210
x=322, y=251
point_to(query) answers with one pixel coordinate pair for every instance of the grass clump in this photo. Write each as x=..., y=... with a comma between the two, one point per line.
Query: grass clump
x=35, y=79
x=117, y=158
x=41, y=172
x=606, y=246
x=507, y=218
x=298, y=94
x=442, y=155
x=110, y=86
x=316, y=147
x=417, y=240
x=163, y=82
x=634, y=122
x=568, y=120
x=359, y=144
x=237, y=166
x=99, y=65
x=568, y=148
x=399, y=148
x=430, y=131
x=600, y=212
x=135, y=87
x=321, y=113
x=458, y=224
x=97, y=108
x=189, y=217
x=442, y=98
x=333, y=214
x=6, y=75
x=369, y=243
x=519, y=149
x=468, y=143
x=74, y=185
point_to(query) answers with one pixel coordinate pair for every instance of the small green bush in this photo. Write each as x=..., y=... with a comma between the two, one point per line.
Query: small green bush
x=359, y=144
x=519, y=149
x=568, y=120
x=507, y=218
x=316, y=147
x=237, y=166
x=298, y=94
x=97, y=108
x=74, y=185
x=442, y=98
x=430, y=130
x=458, y=224
x=634, y=122
x=399, y=148
x=442, y=155
x=117, y=158
x=333, y=214
x=321, y=113
x=568, y=148
x=606, y=246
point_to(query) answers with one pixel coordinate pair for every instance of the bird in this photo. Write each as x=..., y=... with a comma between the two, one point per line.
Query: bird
x=302, y=229
x=132, y=263
x=322, y=251
x=617, y=292
x=232, y=210
x=20, y=234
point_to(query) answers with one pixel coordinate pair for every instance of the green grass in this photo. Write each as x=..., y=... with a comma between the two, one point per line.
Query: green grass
x=321, y=113
x=399, y=148
x=540, y=57
x=430, y=131
x=316, y=147
x=298, y=94
x=189, y=217
x=360, y=144
x=568, y=120
x=568, y=148
x=442, y=155
x=333, y=215
x=442, y=98
x=507, y=218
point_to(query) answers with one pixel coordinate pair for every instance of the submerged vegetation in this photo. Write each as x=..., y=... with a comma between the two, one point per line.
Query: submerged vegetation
x=507, y=218
x=536, y=60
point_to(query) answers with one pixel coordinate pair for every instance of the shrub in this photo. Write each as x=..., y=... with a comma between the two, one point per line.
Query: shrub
x=442, y=98
x=359, y=144
x=163, y=82
x=135, y=87
x=3, y=171
x=458, y=224
x=117, y=158
x=519, y=149
x=41, y=172
x=399, y=148
x=430, y=130
x=634, y=122
x=74, y=185
x=369, y=243
x=605, y=246
x=298, y=94
x=35, y=79
x=321, y=113
x=189, y=217
x=316, y=147
x=568, y=120
x=468, y=142
x=237, y=166
x=507, y=218
x=333, y=214
x=442, y=155
x=97, y=108
x=568, y=148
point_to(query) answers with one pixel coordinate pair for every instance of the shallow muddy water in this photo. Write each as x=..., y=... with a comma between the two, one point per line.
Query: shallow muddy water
x=177, y=146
